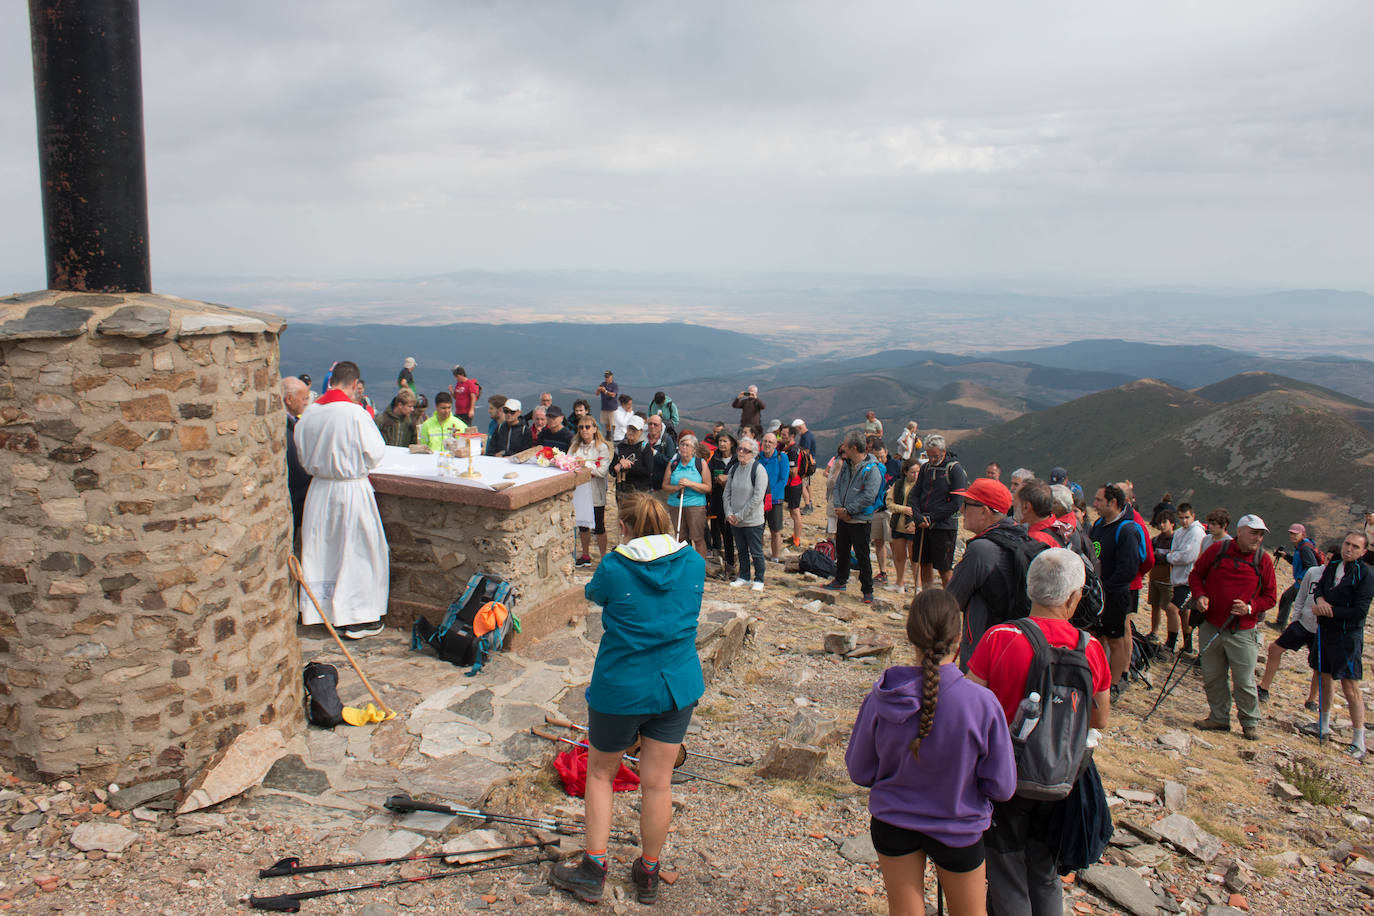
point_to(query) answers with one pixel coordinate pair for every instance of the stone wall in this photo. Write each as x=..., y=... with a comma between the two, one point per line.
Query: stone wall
x=436, y=545
x=145, y=612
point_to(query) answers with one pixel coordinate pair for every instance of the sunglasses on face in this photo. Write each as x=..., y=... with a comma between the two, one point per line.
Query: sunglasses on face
x=586, y=427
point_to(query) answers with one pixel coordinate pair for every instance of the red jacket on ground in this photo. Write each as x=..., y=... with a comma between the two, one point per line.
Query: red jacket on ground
x=1224, y=574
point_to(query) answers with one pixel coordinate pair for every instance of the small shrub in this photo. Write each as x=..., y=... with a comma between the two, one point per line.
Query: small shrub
x=1318, y=785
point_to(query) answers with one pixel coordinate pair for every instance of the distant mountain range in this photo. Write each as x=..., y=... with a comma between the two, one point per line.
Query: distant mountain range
x=1288, y=450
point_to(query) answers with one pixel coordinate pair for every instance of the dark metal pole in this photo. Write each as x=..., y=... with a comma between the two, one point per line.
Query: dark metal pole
x=88, y=87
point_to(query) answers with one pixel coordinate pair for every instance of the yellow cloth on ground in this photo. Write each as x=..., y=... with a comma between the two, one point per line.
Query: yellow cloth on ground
x=365, y=716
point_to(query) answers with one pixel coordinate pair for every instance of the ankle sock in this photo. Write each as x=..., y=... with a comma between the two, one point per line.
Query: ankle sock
x=597, y=856
x=650, y=865
x=1322, y=724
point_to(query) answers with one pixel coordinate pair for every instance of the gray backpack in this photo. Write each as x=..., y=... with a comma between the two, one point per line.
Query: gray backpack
x=1052, y=755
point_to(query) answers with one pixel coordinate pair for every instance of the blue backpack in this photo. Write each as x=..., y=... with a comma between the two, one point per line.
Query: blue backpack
x=455, y=639
x=880, y=501
x=1144, y=558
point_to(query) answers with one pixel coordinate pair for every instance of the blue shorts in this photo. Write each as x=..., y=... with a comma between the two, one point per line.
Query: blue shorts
x=612, y=734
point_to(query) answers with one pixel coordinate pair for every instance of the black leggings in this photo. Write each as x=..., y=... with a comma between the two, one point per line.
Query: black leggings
x=725, y=537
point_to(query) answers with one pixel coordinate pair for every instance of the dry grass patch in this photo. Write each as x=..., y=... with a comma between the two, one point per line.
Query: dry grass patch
x=718, y=711
x=806, y=797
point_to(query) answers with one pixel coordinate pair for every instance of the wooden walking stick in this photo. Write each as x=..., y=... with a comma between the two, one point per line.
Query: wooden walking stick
x=295, y=566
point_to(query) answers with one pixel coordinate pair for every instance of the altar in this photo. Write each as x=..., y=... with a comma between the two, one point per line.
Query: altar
x=512, y=519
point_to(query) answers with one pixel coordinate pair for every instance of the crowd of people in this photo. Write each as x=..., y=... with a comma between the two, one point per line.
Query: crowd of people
x=1049, y=579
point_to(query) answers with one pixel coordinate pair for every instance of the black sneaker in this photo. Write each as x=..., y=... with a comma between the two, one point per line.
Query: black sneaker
x=646, y=882
x=586, y=881
x=1263, y=694
x=583, y=561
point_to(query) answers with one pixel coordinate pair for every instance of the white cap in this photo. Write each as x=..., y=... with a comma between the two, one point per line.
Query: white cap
x=1253, y=522
x=774, y=426
x=635, y=422
x=512, y=404
x=799, y=422
x=410, y=362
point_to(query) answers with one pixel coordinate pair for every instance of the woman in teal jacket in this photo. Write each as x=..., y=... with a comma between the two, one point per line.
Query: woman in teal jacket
x=646, y=681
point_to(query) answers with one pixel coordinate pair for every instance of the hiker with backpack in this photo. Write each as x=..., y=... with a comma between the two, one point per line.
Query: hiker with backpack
x=986, y=583
x=719, y=466
x=687, y=481
x=935, y=509
x=1024, y=663
x=1303, y=556
x=746, y=484
x=1233, y=585
x=1342, y=599
x=934, y=750
x=645, y=683
x=1121, y=545
x=858, y=491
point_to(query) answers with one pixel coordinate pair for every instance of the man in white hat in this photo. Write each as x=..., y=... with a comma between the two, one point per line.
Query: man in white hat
x=1233, y=585
x=512, y=436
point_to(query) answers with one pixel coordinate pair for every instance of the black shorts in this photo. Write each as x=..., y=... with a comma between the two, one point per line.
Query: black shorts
x=773, y=517
x=937, y=547
x=1340, y=653
x=901, y=535
x=1116, y=607
x=1180, y=596
x=1295, y=636
x=598, y=519
x=611, y=733
x=893, y=842
x=792, y=496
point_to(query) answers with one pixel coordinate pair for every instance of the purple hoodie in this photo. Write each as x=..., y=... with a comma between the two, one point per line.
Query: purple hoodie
x=966, y=761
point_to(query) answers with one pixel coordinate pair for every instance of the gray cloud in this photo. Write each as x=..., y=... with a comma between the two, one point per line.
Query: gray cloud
x=1225, y=142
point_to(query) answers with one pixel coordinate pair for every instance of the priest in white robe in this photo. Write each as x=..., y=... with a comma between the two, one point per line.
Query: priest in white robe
x=343, y=546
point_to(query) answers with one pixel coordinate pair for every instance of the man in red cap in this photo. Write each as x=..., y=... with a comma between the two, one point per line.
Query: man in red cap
x=1303, y=556
x=981, y=582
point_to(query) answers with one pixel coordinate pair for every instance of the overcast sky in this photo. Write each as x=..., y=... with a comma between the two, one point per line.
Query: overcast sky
x=1221, y=142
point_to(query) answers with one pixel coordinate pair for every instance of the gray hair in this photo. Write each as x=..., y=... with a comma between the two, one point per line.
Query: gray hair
x=1054, y=576
x=1022, y=474
x=936, y=441
x=856, y=439
x=748, y=442
x=687, y=437
x=1063, y=499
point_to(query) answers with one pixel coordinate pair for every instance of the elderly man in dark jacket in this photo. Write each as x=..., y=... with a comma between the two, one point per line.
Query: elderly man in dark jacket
x=934, y=509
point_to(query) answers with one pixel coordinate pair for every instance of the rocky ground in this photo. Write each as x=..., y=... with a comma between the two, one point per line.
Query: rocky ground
x=1203, y=822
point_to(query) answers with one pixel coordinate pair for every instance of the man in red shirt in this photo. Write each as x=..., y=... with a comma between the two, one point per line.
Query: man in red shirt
x=465, y=392
x=1233, y=584
x=1022, y=853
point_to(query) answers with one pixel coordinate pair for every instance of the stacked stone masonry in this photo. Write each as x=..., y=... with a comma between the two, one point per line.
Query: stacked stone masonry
x=145, y=613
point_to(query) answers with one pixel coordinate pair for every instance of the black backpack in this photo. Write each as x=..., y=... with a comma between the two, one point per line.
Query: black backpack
x=1088, y=614
x=322, y=704
x=454, y=639
x=1005, y=595
x=1051, y=757
x=817, y=563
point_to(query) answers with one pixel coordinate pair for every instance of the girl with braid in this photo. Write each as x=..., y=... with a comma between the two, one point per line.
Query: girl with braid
x=933, y=748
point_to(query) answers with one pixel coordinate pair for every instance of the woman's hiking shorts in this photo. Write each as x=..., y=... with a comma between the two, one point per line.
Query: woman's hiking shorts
x=894, y=842
x=611, y=734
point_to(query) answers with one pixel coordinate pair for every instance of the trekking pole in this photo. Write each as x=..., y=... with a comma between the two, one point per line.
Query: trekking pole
x=564, y=723
x=291, y=903
x=1168, y=688
x=291, y=865
x=585, y=746
x=404, y=804
x=295, y=567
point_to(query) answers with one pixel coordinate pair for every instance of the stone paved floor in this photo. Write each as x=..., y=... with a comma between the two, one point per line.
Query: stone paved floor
x=454, y=738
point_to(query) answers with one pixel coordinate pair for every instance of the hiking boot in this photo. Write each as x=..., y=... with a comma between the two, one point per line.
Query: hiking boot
x=868, y=598
x=646, y=882
x=586, y=881
x=583, y=561
x=363, y=630
x=1211, y=725
x=1353, y=751
x=1152, y=639
x=880, y=577
x=1263, y=694
x=833, y=586
x=1250, y=732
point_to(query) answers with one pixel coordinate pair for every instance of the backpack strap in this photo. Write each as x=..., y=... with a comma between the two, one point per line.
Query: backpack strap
x=1040, y=649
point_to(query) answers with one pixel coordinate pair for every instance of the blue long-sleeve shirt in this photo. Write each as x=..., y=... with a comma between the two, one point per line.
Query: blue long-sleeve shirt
x=778, y=470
